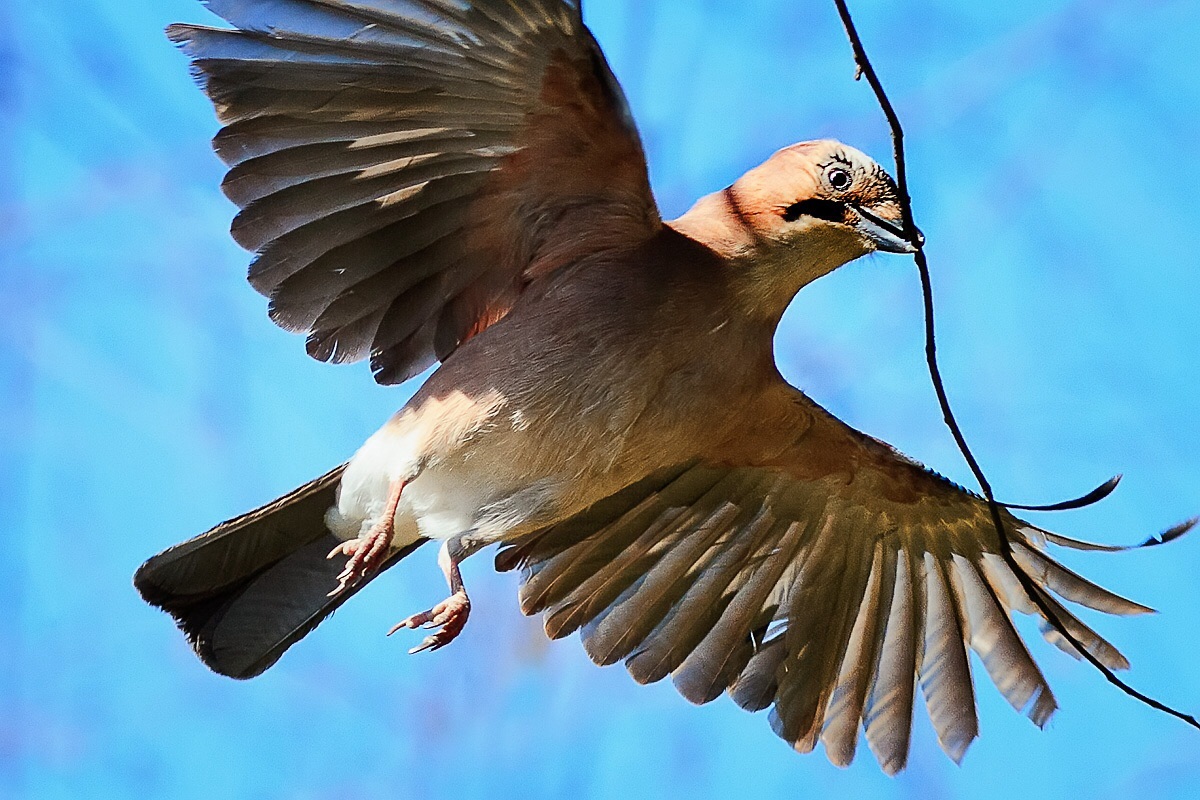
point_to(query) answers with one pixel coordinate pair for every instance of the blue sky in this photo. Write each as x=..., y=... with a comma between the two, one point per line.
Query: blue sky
x=144, y=396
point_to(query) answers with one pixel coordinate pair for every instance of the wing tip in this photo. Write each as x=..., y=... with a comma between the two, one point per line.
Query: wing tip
x=956, y=749
x=180, y=33
x=1042, y=707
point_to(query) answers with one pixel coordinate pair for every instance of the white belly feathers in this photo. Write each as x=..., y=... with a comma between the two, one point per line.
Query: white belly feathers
x=474, y=472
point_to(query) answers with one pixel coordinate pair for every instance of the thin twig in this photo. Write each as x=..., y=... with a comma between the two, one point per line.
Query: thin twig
x=864, y=68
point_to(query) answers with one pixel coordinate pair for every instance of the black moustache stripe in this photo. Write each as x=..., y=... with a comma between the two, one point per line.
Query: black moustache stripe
x=829, y=210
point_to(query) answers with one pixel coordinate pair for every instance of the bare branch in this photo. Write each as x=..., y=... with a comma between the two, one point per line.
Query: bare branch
x=864, y=68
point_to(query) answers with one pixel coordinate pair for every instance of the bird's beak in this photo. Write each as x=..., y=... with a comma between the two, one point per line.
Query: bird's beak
x=887, y=235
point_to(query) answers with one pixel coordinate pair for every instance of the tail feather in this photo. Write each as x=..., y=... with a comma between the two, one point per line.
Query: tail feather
x=250, y=588
x=236, y=549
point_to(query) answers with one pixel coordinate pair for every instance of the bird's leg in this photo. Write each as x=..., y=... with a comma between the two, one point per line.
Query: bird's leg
x=451, y=614
x=368, y=551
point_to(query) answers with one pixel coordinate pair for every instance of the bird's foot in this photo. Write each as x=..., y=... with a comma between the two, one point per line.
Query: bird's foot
x=451, y=614
x=366, y=553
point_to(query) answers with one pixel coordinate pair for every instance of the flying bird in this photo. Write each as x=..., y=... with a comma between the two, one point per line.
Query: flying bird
x=460, y=181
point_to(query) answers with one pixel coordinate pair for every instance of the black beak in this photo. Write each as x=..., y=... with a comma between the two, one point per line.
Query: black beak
x=887, y=236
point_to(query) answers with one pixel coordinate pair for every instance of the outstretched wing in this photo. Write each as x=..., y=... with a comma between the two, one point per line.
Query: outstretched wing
x=828, y=581
x=404, y=169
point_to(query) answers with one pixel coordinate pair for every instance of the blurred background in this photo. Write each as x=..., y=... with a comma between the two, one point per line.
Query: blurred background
x=1054, y=149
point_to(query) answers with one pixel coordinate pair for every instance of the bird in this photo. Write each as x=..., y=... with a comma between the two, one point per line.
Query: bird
x=461, y=183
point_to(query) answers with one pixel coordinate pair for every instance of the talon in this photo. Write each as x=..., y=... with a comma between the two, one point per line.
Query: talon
x=367, y=551
x=429, y=643
x=449, y=616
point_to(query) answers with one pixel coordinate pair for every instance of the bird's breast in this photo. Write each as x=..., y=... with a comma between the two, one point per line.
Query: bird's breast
x=544, y=414
x=502, y=465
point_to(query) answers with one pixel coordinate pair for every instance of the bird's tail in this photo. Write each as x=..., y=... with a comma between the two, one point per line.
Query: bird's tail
x=247, y=590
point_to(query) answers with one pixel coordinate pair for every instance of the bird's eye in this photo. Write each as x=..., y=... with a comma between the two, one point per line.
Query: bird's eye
x=839, y=179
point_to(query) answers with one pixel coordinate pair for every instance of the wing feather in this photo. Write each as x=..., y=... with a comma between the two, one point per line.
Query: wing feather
x=992, y=635
x=821, y=582
x=757, y=683
x=945, y=670
x=712, y=666
x=612, y=635
x=701, y=605
x=360, y=134
x=1013, y=596
x=1071, y=586
x=844, y=712
x=599, y=592
x=820, y=587
x=549, y=581
x=887, y=719
x=821, y=605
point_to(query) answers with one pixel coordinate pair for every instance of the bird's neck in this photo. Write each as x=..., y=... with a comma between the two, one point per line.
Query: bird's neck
x=763, y=276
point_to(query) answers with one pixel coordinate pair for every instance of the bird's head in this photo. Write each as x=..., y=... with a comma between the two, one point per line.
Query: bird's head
x=804, y=212
x=821, y=195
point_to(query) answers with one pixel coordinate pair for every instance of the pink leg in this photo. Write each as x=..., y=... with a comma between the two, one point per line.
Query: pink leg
x=450, y=614
x=368, y=551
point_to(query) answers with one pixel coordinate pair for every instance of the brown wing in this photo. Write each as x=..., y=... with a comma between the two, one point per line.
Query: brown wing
x=828, y=583
x=406, y=168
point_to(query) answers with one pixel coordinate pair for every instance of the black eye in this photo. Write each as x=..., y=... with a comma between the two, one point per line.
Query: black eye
x=839, y=179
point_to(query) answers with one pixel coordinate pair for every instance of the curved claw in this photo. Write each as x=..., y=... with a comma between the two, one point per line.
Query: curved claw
x=450, y=615
x=366, y=554
x=368, y=551
x=431, y=642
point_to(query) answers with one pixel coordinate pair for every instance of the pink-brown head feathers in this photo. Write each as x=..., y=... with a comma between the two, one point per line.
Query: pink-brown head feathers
x=805, y=211
x=822, y=188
